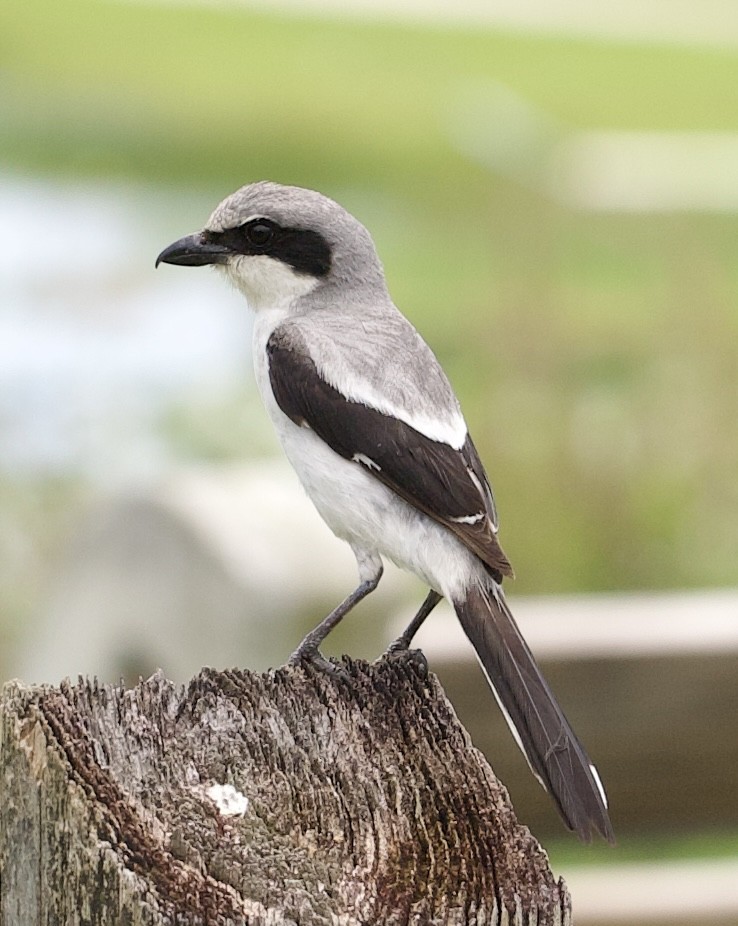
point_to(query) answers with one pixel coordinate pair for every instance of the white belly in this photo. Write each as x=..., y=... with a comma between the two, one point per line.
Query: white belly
x=355, y=505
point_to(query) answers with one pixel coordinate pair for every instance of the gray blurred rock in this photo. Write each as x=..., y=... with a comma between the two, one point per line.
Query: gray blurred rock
x=213, y=566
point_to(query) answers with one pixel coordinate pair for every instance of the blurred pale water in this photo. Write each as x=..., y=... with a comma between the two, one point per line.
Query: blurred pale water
x=94, y=345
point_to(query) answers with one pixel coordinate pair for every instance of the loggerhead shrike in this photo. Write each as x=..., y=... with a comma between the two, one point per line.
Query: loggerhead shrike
x=371, y=424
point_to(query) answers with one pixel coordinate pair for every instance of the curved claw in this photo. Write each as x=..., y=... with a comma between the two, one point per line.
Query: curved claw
x=314, y=658
x=400, y=649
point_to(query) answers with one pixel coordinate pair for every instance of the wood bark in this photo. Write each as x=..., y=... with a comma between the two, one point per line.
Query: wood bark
x=291, y=797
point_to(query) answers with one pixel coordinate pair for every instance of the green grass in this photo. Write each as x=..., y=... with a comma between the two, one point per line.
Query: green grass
x=596, y=355
x=666, y=846
x=176, y=92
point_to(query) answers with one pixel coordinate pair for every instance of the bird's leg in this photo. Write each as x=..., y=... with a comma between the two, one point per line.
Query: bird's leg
x=402, y=643
x=308, y=651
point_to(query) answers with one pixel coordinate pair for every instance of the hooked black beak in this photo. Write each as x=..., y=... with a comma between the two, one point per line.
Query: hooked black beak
x=194, y=251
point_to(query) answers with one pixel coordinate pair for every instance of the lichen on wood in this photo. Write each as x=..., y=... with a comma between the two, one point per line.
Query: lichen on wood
x=242, y=798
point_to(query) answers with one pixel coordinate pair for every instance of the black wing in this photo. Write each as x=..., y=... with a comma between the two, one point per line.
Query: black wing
x=448, y=485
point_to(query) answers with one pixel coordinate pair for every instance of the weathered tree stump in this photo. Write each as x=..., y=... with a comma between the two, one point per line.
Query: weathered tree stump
x=290, y=797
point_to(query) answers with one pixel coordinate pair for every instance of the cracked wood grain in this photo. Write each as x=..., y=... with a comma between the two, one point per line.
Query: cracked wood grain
x=284, y=798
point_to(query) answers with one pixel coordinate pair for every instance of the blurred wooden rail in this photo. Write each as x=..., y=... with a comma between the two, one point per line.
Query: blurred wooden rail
x=650, y=683
x=666, y=893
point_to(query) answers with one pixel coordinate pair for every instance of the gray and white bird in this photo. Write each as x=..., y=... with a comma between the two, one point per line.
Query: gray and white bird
x=375, y=433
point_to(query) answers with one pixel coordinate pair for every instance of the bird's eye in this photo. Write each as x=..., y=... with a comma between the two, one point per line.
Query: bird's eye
x=259, y=234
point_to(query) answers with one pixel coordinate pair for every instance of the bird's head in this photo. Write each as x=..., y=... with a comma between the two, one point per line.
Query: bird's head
x=280, y=243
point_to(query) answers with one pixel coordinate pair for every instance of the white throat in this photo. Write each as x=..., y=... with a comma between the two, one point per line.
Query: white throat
x=268, y=283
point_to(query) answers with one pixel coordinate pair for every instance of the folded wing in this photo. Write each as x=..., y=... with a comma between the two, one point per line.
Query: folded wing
x=447, y=484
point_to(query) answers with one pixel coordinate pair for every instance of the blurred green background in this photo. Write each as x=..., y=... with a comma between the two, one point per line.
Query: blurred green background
x=595, y=350
x=596, y=354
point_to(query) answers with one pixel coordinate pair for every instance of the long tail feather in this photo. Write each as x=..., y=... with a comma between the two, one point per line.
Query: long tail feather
x=552, y=749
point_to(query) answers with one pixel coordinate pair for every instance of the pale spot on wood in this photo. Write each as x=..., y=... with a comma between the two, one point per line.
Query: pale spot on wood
x=229, y=801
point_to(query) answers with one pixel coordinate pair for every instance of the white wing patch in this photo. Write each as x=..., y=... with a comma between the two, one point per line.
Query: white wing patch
x=363, y=458
x=598, y=782
x=372, y=355
x=483, y=492
x=470, y=518
x=446, y=429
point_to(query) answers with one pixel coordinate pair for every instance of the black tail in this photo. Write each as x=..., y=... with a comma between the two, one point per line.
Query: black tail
x=552, y=749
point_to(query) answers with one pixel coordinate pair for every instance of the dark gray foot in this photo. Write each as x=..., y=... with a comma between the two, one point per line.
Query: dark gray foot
x=311, y=656
x=414, y=657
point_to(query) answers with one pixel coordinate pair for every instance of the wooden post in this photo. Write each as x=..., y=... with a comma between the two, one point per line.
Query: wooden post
x=285, y=798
